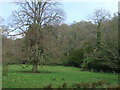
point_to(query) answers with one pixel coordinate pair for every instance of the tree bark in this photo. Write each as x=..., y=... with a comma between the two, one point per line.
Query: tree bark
x=35, y=68
x=5, y=69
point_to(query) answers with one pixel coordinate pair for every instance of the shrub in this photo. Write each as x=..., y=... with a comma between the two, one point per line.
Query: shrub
x=75, y=58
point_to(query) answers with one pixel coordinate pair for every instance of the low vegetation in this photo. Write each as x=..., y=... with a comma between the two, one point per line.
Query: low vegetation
x=57, y=77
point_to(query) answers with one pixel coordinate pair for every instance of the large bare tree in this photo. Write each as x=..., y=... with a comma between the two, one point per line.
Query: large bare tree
x=30, y=21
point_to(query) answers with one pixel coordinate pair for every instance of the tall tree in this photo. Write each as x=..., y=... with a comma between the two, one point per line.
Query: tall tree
x=34, y=16
x=99, y=16
x=96, y=57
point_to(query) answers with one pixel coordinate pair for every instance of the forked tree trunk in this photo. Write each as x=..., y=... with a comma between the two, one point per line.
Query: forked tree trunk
x=35, y=68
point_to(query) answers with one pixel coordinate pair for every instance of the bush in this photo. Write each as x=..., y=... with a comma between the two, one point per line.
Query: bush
x=100, y=61
x=75, y=58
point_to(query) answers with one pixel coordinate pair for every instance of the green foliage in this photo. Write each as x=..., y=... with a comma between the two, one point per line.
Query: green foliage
x=86, y=63
x=101, y=60
x=75, y=58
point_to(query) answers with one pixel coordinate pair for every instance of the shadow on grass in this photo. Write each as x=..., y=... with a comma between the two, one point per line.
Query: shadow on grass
x=35, y=72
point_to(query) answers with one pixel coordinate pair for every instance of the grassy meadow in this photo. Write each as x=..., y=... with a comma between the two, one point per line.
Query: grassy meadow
x=54, y=76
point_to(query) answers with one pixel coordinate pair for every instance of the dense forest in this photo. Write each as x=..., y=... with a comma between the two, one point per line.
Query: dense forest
x=71, y=45
x=91, y=45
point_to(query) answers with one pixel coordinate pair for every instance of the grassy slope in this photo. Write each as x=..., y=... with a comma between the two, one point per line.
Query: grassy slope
x=71, y=75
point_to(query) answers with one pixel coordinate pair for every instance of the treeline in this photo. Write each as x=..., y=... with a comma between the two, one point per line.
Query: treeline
x=70, y=45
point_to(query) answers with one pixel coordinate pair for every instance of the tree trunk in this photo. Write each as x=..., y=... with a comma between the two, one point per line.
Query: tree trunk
x=35, y=68
x=5, y=69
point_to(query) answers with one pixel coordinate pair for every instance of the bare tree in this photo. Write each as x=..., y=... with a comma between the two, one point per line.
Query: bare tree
x=30, y=20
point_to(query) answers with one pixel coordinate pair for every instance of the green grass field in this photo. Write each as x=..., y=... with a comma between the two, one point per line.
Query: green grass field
x=55, y=75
